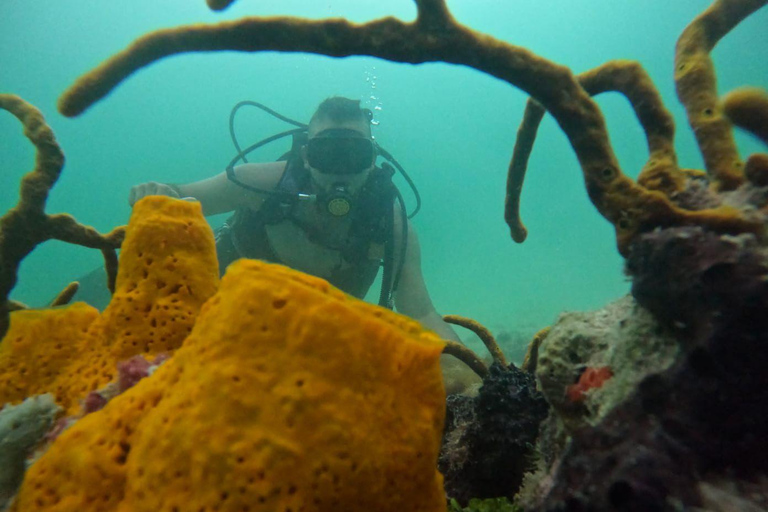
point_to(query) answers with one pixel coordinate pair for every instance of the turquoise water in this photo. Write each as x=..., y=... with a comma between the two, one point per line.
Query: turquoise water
x=452, y=128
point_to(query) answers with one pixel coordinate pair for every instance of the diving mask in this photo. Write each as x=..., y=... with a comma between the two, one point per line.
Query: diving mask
x=340, y=151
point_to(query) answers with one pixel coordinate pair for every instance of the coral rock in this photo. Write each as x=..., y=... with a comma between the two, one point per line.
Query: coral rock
x=622, y=336
x=695, y=422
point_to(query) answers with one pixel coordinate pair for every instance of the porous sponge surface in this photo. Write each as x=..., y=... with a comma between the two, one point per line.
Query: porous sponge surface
x=168, y=269
x=38, y=346
x=288, y=396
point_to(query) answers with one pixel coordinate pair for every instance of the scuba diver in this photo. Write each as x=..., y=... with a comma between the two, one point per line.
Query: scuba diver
x=324, y=208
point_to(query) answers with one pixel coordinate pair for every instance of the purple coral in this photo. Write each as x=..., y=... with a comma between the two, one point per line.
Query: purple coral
x=131, y=371
x=95, y=401
x=684, y=274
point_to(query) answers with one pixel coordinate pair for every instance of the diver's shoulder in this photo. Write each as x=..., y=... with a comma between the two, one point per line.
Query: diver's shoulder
x=263, y=175
x=260, y=176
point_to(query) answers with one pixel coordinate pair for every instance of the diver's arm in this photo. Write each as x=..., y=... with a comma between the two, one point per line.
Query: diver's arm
x=218, y=194
x=412, y=298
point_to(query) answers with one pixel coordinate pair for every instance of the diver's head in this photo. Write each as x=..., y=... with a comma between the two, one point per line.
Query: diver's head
x=340, y=151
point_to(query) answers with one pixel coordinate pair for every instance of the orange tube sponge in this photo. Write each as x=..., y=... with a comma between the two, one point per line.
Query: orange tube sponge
x=39, y=346
x=167, y=271
x=288, y=395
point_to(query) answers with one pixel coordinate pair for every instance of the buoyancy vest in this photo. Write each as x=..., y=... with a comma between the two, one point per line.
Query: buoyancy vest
x=370, y=236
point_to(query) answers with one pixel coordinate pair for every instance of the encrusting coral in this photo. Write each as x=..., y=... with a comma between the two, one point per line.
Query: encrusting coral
x=591, y=378
x=273, y=403
x=22, y=427
x=27, y=225
x=167, y=270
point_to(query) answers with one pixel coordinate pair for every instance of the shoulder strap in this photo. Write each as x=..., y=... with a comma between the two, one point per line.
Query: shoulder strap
x=293, y=181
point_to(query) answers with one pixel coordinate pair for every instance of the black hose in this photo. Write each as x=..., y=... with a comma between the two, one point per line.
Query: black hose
x=385, y=296
x=233, y=113
x=386, y=154
x=403, y=244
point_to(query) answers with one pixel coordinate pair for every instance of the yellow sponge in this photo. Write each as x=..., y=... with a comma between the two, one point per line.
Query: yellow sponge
x=39, y=347
x=167, y=270
x=288, y=396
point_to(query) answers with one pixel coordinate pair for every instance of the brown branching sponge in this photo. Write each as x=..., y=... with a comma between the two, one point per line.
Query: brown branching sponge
x=466, y=356
x=483, y=333
x=531, y=360
x=65, y=295
x=639, y=207
x=526, y=136
x=747, y=108
x=26, y=225
x=695, y=82
x=435, y=36
x=219, y=5
x=629, y=79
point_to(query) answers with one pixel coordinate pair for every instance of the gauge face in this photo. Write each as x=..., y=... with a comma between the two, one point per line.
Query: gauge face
x=338, y=207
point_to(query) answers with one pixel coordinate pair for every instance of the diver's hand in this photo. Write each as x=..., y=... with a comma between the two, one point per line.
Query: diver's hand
x=151, y=188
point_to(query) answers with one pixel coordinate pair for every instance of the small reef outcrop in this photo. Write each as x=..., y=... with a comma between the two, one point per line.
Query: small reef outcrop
x=681, y=421
x=488, y=439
